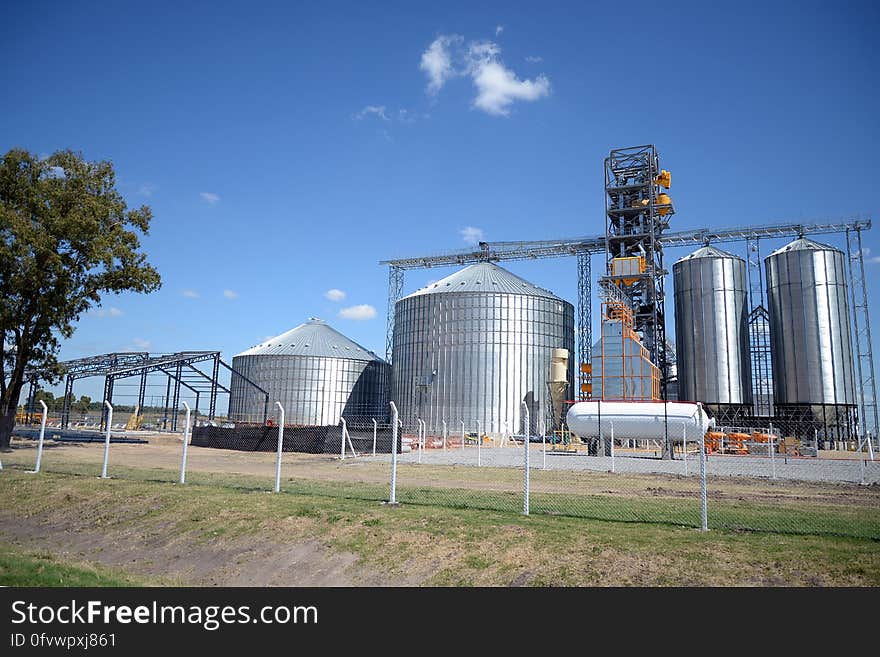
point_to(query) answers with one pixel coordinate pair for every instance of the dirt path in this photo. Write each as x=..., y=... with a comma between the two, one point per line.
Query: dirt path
x=154, y=550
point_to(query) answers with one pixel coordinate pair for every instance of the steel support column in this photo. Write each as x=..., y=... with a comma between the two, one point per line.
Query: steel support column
x=167, y=400
x=108, y=397
x=865, y=384
x=142, y=392
x=212, y=405
x=31, y=401
x=176, y=403
x=395, y=288
x=585, y=316
x=65, y=405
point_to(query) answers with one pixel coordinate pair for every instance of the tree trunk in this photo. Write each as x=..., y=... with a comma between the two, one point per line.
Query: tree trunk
x=8, y=408
x=7, y=424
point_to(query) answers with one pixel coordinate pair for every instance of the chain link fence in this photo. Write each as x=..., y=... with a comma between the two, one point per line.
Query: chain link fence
x=776, y=476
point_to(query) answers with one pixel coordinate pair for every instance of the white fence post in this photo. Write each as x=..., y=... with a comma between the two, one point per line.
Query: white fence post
x=375, y=430
x=280, y=445
x=704, y=507
x=479, y=443
x=393, y=498
x=185, y=444
x=342, y=440
x=421, y=439
x=444, y=435
x=462, y=433
x=526, y=460
x=107, y=439
x=42, y=435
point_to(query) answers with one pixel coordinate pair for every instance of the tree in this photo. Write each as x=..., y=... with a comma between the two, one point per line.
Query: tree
x=83, y=404
x=67, y=237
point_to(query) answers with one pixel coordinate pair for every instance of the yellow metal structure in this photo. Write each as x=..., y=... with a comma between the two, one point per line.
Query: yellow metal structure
x=664, y=179
x=134, y=420
x=632, y=265
x=625, y=365
x=663, y=203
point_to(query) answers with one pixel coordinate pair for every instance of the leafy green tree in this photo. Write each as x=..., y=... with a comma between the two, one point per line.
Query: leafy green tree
x=83, y=404
x=67, y=238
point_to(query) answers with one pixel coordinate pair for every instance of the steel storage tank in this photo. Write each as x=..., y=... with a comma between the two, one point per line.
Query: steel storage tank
x=317, y=374
x=810, y=344
x=475, y=345
x=711, y=329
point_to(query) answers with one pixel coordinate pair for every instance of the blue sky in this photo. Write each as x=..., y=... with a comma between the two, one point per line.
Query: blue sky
x=285, y=148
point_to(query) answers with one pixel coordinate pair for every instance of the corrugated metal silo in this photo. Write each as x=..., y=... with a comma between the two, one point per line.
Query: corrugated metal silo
x=810, y=338
x=316, y=373
x=475, y=345
x=711, y=328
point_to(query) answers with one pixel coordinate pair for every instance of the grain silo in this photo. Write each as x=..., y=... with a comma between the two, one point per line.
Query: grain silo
x=317, y=374
x=711, y=331
x=473, y=346
x=810, y=340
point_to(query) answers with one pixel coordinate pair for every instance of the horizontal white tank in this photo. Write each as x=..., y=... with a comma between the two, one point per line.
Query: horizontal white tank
x=639, y=420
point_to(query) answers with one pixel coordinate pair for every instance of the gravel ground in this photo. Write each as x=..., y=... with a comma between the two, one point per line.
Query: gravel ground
x=797, y=469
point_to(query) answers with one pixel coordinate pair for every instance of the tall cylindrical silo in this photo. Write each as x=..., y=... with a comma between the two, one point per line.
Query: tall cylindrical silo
x=810, y=340
x=711, y=330
x=318, y=375
x=473, y=346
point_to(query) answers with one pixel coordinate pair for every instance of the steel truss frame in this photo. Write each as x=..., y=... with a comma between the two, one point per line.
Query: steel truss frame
x=583, y=247
x=179, y=367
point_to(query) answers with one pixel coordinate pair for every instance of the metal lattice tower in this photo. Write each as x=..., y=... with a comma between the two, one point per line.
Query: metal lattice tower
x=759, y=331
x=865, y=382
x=395, y=287
x=584, y=317
x=635, y=217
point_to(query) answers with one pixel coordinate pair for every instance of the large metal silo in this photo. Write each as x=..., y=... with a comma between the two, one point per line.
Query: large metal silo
x=810, y=339
x=473, y=346
x=317, y=374
x=711, y=329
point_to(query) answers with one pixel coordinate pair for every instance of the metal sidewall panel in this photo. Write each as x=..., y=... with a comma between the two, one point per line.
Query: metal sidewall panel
x=811, y=348
x=711, y=330
x=314, y=391
x=473, y=356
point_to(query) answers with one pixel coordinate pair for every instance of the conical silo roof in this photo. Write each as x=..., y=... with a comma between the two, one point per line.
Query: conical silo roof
x=314, y=338
x=708, y=252
x=802, y=244
x=484, y=277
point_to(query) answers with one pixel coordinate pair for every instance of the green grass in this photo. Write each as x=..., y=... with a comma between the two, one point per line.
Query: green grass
x=780, y=516
x=23, y=568
x=415, y=543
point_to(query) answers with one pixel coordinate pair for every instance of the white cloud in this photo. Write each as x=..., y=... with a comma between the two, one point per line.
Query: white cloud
x=334, y=295
x=229, y=294
x=437, y=61
x=210, y=197
x=497, y=86
x=361, y=312
x=472, y=235
x=876, y=260
x=534, y=60
x=107, y=312
x=190, y=294
x=140, y=343
x=499, y=29
x=376, y=110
